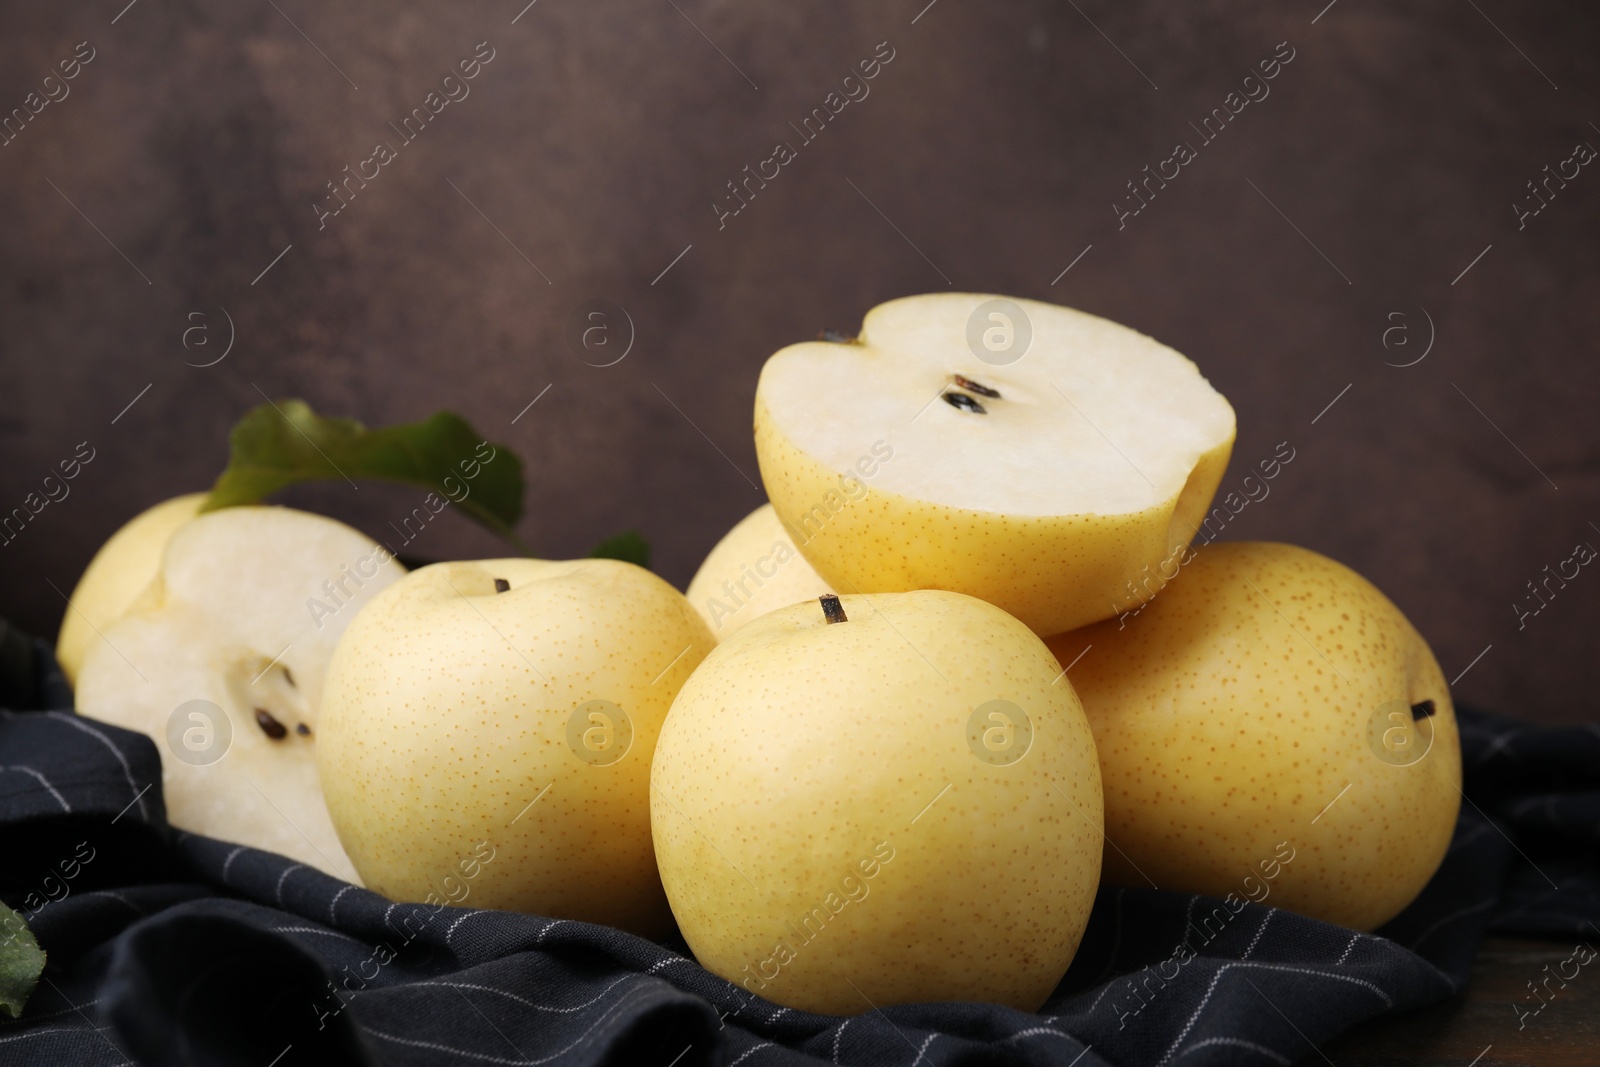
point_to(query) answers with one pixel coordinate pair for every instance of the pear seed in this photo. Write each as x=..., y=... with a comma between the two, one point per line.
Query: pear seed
x=965, y=403
x=270, y=726
x=981, y=390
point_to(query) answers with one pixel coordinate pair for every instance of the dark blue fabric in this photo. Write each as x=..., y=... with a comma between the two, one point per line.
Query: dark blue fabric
x=171, y=948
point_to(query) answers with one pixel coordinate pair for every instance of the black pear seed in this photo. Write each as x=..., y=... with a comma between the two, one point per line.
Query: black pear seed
x=270, y=726
x=965, y=403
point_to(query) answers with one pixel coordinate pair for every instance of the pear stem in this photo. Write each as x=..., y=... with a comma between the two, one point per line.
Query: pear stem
x=832, y=610
x=501, y=585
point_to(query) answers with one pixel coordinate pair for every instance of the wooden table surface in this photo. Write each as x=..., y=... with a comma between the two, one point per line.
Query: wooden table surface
x=1481, y=1028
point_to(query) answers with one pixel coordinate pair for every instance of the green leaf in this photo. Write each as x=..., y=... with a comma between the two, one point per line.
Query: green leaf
x=21, y=962
x=630, y=547
x=277, y=445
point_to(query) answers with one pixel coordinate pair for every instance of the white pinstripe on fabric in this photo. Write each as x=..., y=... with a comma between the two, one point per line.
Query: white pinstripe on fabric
x=520, y=1000
x=1263, y=929
x=451, y=932
x=44, y=782
x=669, y=961
x=1035, y=1031
x=277, y=890
x=1388, y=1002
x=334, y=903
x=486, y=1058
x=127, y=771
x=229, y=861
x=1355, y=939
x=751, y=1051
x=324, y=931
x=1237, y=1042
x=35, y=1033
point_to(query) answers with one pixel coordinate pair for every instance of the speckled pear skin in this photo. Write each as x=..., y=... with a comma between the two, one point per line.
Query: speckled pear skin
x=754, y=569
x=1231, y=713
x=817, y=779
x=1053, y=572
x=1030, y=505
x=446, y=713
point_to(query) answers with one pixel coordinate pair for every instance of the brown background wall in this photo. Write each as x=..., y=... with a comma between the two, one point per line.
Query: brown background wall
x=599, y=136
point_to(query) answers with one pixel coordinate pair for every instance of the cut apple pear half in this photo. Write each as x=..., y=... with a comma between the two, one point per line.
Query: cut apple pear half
x=1043, y=459
x=221, y=661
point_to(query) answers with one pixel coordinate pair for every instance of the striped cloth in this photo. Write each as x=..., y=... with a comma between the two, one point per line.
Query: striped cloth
x=172, y=948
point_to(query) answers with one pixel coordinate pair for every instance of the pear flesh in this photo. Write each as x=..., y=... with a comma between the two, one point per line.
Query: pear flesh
x=221, y=661
x=1046, y=483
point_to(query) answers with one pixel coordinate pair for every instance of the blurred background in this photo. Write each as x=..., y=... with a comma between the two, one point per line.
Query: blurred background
x=1386, y=258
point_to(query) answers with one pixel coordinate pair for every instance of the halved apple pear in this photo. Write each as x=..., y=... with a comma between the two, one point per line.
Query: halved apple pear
x=1040, y=458
x=221, y=660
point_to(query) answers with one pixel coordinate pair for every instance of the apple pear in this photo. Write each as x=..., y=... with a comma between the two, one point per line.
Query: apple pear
x=221, y=660
x=1033, y=456
x=1268, y=697
x=116, y=576
x=752, y=570
x=509, y=709
x=880, y=800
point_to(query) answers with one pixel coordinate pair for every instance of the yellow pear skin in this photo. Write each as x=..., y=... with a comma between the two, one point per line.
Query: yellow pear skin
x=460, y=722
x=1266, y=696
x=1050, y=483
x=900, y=807
x=754, y=569
x=117, y=574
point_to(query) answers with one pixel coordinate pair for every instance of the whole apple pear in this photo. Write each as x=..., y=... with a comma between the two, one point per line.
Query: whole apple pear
x=487, y=731
x=1268, y=697
x=900, y=805
x=752, y=570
